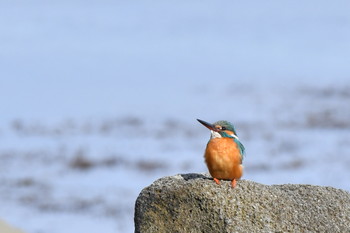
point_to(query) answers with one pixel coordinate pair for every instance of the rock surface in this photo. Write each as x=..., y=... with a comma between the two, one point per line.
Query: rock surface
x=194, y=203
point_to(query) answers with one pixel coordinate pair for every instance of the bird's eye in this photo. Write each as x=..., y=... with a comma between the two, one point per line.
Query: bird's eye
x=223, y=128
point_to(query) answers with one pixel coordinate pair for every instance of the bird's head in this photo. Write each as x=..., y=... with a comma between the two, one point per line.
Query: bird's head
x=220, y=129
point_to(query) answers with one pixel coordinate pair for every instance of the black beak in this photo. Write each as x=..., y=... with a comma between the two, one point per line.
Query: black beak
x=208, y=125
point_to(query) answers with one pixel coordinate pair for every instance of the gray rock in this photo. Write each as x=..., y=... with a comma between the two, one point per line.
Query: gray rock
x=194, y=203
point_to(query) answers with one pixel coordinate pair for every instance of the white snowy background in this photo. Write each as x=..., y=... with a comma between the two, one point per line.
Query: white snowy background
x=100, y=98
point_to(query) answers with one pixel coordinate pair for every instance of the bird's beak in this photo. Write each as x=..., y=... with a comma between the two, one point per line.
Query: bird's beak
x=208, y=125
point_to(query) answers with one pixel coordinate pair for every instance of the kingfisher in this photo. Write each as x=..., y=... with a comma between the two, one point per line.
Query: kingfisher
x=224, y=152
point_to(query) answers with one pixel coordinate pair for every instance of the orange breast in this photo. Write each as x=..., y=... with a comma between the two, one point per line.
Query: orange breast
x=223, y=159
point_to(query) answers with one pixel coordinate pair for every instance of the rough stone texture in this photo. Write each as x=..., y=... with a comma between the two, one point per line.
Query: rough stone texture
x=194, y=203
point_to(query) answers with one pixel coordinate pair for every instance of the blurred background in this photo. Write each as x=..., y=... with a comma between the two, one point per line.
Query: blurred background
x=100, y=98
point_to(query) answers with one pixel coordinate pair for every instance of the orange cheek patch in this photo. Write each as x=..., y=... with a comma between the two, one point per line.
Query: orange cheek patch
x=229, y=132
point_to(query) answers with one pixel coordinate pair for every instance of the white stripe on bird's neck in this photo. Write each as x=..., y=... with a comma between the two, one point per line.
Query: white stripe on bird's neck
x=215, y=134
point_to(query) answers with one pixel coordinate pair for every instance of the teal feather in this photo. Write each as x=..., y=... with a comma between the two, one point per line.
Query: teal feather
x=240, y=147
x=229, y=126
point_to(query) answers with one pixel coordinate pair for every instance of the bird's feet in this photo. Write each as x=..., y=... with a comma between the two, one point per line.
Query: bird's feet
x=217, y=181
x=233, y=183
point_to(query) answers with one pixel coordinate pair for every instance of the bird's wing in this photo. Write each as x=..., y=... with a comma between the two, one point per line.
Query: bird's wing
x=240, y=147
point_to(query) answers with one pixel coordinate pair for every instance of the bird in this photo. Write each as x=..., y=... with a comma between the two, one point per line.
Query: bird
x=224, y=152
